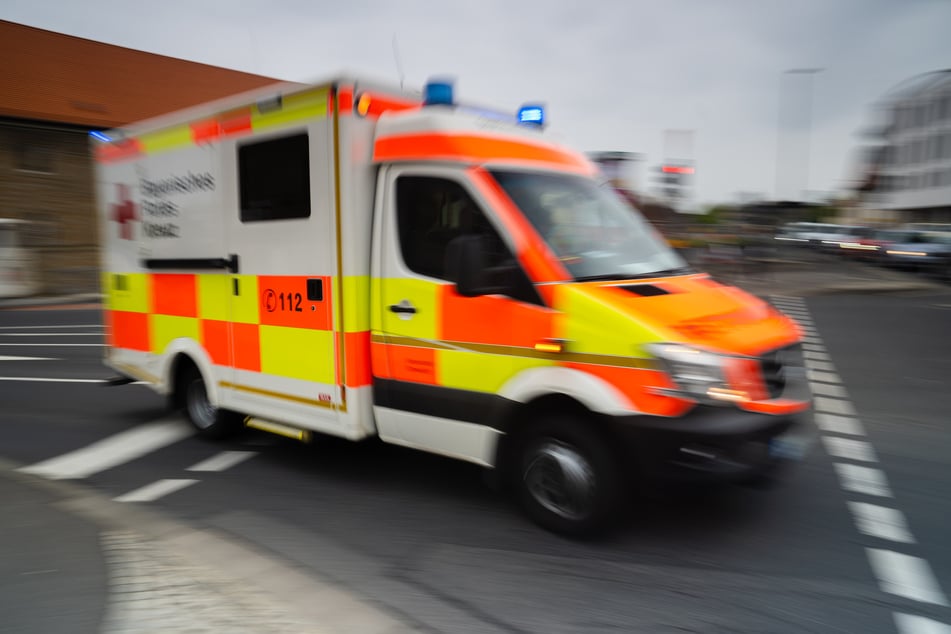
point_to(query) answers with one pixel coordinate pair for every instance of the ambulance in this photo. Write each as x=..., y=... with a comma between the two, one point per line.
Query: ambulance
x=354, y=260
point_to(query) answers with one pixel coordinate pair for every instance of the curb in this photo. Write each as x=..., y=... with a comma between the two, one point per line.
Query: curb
x=268, y=593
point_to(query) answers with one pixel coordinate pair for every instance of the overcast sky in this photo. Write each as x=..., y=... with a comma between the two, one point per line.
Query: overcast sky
x=615, y=74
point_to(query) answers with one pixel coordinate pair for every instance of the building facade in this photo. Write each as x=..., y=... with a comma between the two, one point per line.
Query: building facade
x=54, y=90
x=908, y=173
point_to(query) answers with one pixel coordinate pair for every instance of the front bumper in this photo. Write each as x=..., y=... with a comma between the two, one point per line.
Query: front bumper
x=713, y=443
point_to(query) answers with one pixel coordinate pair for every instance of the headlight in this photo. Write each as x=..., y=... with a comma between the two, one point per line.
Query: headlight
x=698, y=373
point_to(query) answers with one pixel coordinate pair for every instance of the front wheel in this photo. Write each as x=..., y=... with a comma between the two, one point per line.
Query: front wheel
x=568, y=479
x=210, y=421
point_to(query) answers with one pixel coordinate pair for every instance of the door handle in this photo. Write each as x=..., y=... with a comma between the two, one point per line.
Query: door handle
x=403, y=308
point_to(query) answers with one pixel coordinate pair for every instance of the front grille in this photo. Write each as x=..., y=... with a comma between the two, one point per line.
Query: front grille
x=775, y=366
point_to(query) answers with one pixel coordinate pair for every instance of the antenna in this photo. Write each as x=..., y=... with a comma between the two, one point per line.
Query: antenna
x=399, y=65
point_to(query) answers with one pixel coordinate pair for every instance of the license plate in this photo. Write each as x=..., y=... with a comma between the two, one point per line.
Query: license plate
x=789, y=447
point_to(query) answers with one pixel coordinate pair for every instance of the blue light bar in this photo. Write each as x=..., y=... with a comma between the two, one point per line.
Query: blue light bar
x=532, y=115
x=100, y=136
x=438, y=93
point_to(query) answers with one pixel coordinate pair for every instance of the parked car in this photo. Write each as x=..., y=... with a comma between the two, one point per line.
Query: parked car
x=872, y=247
x=927, y=251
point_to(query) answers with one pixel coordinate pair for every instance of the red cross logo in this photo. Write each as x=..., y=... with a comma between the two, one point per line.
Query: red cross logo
x=124, y=212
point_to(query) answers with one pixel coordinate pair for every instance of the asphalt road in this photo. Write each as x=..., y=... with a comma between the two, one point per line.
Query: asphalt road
x=426, y=539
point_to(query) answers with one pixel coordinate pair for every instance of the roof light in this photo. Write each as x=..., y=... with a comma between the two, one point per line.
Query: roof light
x=99, y=136
x=676, y=169
x=532, y=114
x=438, y=92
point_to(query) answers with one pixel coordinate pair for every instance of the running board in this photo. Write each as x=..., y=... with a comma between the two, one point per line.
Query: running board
x=277, y=428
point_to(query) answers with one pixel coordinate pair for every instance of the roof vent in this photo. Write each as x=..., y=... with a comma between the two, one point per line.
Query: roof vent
x=645, y=290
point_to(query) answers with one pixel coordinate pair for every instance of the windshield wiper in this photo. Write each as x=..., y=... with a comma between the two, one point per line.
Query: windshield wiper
x=682, y=270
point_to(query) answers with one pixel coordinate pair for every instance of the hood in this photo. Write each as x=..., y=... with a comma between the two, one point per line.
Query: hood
x=692, y=309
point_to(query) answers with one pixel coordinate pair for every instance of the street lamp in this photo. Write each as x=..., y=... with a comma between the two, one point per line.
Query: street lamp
x=809, y=73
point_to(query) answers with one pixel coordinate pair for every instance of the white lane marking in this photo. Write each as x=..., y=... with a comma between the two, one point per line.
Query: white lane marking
x=849, y=449
x=55, y=326
x=839, y=424
x=823, y=377
x=833, y=406
x=7, y=358
x=112, y=451
x=813, y=346
x=50, y=334
x=905, y=576
x=910, y=624
x=825, y=366
x=54, y=345
x=222, y=461
x=881, y=522
x=828, y=389
x=865, y=480
x=156, y=490
x=37, y=379
x=816, y=354
x=813, y=340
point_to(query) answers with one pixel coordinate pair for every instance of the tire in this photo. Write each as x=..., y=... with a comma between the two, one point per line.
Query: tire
x=210, y=421
x=567, y=477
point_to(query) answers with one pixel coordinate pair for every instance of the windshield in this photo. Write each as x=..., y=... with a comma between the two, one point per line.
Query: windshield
x=593, y=233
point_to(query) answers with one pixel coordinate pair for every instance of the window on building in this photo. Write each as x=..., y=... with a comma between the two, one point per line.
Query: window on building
x=274, y=179
x=33, y=157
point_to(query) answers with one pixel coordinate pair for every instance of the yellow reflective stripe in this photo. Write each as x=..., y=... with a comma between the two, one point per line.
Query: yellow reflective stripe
x=297, y=353
x=422, y=295
x=214, y=296
x=594, y=327
x=245, y=306
x=376, y=304
x=516, y=351
x=479, y=372
x=129, y=292
x=356, y=303
x=168, y=139
x=278, y=395
x=292, y=109
x=167, y=328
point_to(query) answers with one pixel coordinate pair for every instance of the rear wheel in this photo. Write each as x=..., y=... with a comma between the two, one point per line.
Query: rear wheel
x=567, y=476
x=210, y=421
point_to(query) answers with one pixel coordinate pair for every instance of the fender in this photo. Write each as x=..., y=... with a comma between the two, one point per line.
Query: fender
x=592, y=392
x=196, y=353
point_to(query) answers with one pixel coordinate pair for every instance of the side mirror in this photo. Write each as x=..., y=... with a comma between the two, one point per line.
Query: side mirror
x=467, y=264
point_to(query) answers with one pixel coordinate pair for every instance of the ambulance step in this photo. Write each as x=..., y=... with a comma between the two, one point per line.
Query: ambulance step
x=277, y=428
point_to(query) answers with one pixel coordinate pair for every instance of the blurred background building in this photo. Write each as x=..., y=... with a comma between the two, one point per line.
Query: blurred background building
x=906, y=176
x=54, y=90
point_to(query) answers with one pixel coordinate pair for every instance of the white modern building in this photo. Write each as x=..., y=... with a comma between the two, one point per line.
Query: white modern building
x=909, y=162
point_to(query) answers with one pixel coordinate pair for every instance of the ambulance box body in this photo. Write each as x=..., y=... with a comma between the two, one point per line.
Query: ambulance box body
x=350, y=260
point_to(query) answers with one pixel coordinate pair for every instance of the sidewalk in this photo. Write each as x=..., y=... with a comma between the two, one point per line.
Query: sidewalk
x=75, y=562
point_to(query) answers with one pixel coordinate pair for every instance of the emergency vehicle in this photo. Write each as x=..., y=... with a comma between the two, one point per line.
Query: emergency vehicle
x=353, y=260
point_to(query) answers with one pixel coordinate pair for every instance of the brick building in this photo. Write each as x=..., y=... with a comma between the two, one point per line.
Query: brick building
x=55, y=89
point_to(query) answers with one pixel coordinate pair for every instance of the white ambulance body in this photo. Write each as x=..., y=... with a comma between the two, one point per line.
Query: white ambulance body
x=302, y=259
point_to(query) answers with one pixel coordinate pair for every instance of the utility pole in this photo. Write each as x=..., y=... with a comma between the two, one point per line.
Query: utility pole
x=808, y=74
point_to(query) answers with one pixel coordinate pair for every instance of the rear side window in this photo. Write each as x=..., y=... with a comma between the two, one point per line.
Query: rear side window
x=274, y=179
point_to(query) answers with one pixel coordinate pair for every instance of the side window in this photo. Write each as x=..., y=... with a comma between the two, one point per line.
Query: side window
x=274, y=179
x=431, y=212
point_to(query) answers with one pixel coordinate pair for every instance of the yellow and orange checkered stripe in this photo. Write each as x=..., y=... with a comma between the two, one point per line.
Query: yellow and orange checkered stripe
x=260, y=324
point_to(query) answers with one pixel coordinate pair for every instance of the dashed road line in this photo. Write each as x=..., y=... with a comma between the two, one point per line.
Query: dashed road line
x=12, y=358
x=156, y=490
x=905, y=576
x=833, y=424
x=833, y=406
x=897, y=573
x=849, y=449
x=222, y=461
x=112, y=451
x=881, y=522
x=864, y=480
x=912, y=624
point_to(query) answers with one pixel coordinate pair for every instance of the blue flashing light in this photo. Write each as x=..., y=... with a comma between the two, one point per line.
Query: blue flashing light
x=438, y=93
x=532, y=115
x=99, y=136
